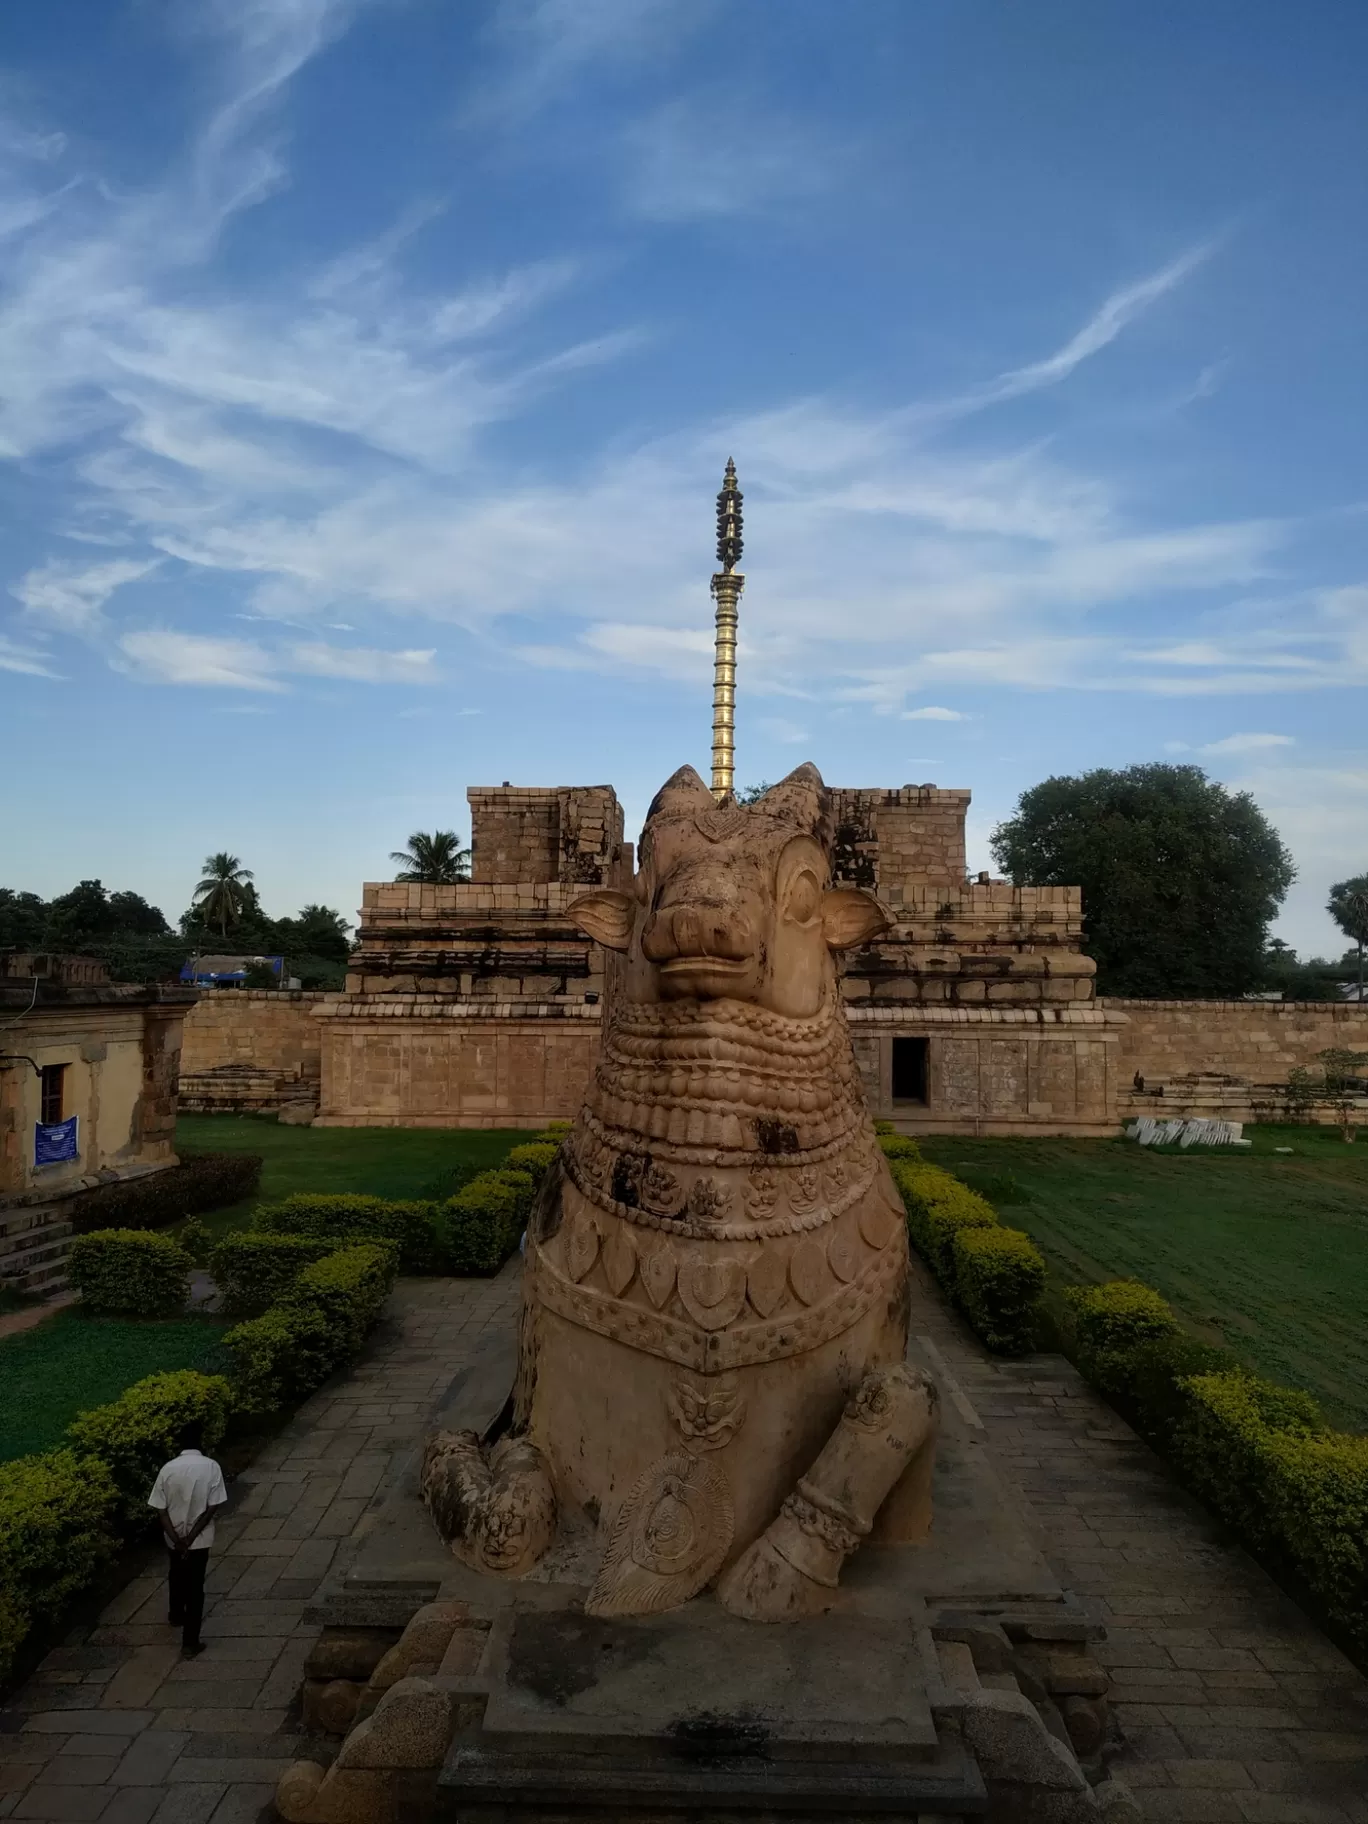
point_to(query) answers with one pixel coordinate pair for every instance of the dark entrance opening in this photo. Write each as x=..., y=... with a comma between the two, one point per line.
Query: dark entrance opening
x=910, y=1069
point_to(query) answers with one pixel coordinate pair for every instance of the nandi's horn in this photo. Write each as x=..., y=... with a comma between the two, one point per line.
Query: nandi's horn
x=682, y=795
x=803, y=801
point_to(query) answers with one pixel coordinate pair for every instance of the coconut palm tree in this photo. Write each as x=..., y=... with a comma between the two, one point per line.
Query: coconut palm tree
x=222, y=893
x=436, y=860
x=1349, y=908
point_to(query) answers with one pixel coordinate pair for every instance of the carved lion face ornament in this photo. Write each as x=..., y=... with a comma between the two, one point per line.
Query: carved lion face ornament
x=734, y=901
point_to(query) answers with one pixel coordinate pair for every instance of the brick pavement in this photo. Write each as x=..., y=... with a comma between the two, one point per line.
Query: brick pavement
x=115, y=1725
x=1236, y=1710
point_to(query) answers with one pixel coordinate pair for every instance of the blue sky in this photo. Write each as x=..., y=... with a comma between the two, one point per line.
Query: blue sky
x=367, y=372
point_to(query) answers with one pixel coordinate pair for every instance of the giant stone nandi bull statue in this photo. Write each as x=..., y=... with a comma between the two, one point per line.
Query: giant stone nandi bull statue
x=716, y=1283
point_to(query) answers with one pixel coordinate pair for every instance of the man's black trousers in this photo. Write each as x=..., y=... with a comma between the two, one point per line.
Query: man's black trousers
x=185, y=1580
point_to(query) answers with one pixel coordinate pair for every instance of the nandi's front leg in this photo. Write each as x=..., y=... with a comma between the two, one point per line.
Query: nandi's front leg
x=794, y=1566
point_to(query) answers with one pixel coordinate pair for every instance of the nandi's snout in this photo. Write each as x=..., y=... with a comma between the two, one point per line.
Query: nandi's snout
x=702, y=937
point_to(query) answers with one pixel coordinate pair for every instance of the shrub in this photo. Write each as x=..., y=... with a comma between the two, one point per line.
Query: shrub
x=279, y=1358
x=884, y=1127
x=535, y=1158
x=135, y=1434
x=347, y=1289
x=414, y=1225
x=195, y=1238
x=995, y=1275
x=203, y=1181
x=1111, y=1321
x=898, y=1146
x=999, y=1280
x=320, y=1323
x=938, y=1205
x=132, y=1271
x=554, y=1131
x=55, y=1533
x=485, y=1221
x=253, y=1271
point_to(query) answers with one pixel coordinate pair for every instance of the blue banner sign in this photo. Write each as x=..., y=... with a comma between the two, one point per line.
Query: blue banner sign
x=55, y=1143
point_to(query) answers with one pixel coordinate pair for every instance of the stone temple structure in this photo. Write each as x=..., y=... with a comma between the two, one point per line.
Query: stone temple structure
x=481, y=1004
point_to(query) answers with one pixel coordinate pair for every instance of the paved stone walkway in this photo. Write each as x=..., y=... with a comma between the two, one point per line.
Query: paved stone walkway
x=115, y=1725
x=1234, y=1707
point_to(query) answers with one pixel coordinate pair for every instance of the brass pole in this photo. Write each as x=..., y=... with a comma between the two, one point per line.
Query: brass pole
x=727, y=585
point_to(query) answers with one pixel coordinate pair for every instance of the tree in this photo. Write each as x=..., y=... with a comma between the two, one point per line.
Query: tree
x=224, y=893
x=436, y=860
x=1349, y=908
x=23, y=920
x=1180, y=877
x=752, y=794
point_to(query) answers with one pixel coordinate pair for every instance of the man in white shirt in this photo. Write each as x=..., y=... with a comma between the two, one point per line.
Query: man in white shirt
x=187, y=1493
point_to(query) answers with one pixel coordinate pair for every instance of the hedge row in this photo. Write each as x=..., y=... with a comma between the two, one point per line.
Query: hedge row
x=133, y=1271
x=995, y=1275
x=64, y=1514
x=473, y=1232
x=204, y=1181
x=318, y=1326
x=1260, y=1455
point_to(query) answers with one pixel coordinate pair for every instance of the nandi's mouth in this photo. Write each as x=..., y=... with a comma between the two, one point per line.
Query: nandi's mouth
x=709, y=965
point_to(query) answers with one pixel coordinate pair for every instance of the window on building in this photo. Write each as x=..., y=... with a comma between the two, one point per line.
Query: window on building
x=53, y=1083
x=910, y=1060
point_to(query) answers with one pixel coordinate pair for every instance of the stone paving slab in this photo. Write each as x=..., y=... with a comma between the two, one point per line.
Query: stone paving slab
x=115, y=1726
x=1236, y=1709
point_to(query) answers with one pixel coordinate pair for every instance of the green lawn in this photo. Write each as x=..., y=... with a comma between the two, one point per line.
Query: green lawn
x=1267, y=1253
x=70, y=1363
x=379, y=1161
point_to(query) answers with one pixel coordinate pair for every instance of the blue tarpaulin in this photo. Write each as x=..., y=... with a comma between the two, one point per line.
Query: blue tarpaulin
x=54, y=1143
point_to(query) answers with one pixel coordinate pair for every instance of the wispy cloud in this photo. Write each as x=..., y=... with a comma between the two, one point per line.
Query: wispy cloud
x=67, y=597
x=1247, y=744
x=720, y=154
x=541, y=47
x=1116, y=312
x=932, y=712
x=167, y=656
x=22, y=659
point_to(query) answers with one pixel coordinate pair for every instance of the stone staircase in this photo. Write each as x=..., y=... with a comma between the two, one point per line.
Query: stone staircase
x=248, y=1089
x=34, y=1244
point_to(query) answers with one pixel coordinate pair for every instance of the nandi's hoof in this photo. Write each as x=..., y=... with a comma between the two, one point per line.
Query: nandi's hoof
x=793, y=1568
x=496, y=1510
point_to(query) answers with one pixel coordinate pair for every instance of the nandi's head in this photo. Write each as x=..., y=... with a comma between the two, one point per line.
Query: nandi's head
x=734, y=900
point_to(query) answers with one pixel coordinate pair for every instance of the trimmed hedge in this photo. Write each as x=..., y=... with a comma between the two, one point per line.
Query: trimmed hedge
x=485, y=1221
x=342, y=1217
x=203, y=1181
x=1260, y=1455
x=55, y=1513
x=536, y=1158
x=131, y=1271
x=999, y=1281
x=994, y=1274
x=135, y=1434
x=255, y=1271
x=319, y=1325
x=898, y=1146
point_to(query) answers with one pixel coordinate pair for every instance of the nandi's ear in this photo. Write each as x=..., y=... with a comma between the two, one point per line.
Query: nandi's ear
x=606, y=915
x=852, y=916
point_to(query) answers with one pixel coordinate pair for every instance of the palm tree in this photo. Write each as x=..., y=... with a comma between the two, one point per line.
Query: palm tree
x=436, y=860
x=221, y=894
x=1349, y=908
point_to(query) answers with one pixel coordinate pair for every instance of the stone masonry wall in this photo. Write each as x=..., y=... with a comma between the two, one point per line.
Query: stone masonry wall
x=1259, y=1041
x=263, y=1027
x=526, y=834
x=913, y=833
x=429, y=1061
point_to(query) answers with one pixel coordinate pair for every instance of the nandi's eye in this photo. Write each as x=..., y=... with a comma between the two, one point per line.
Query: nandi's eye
x=804, y=898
